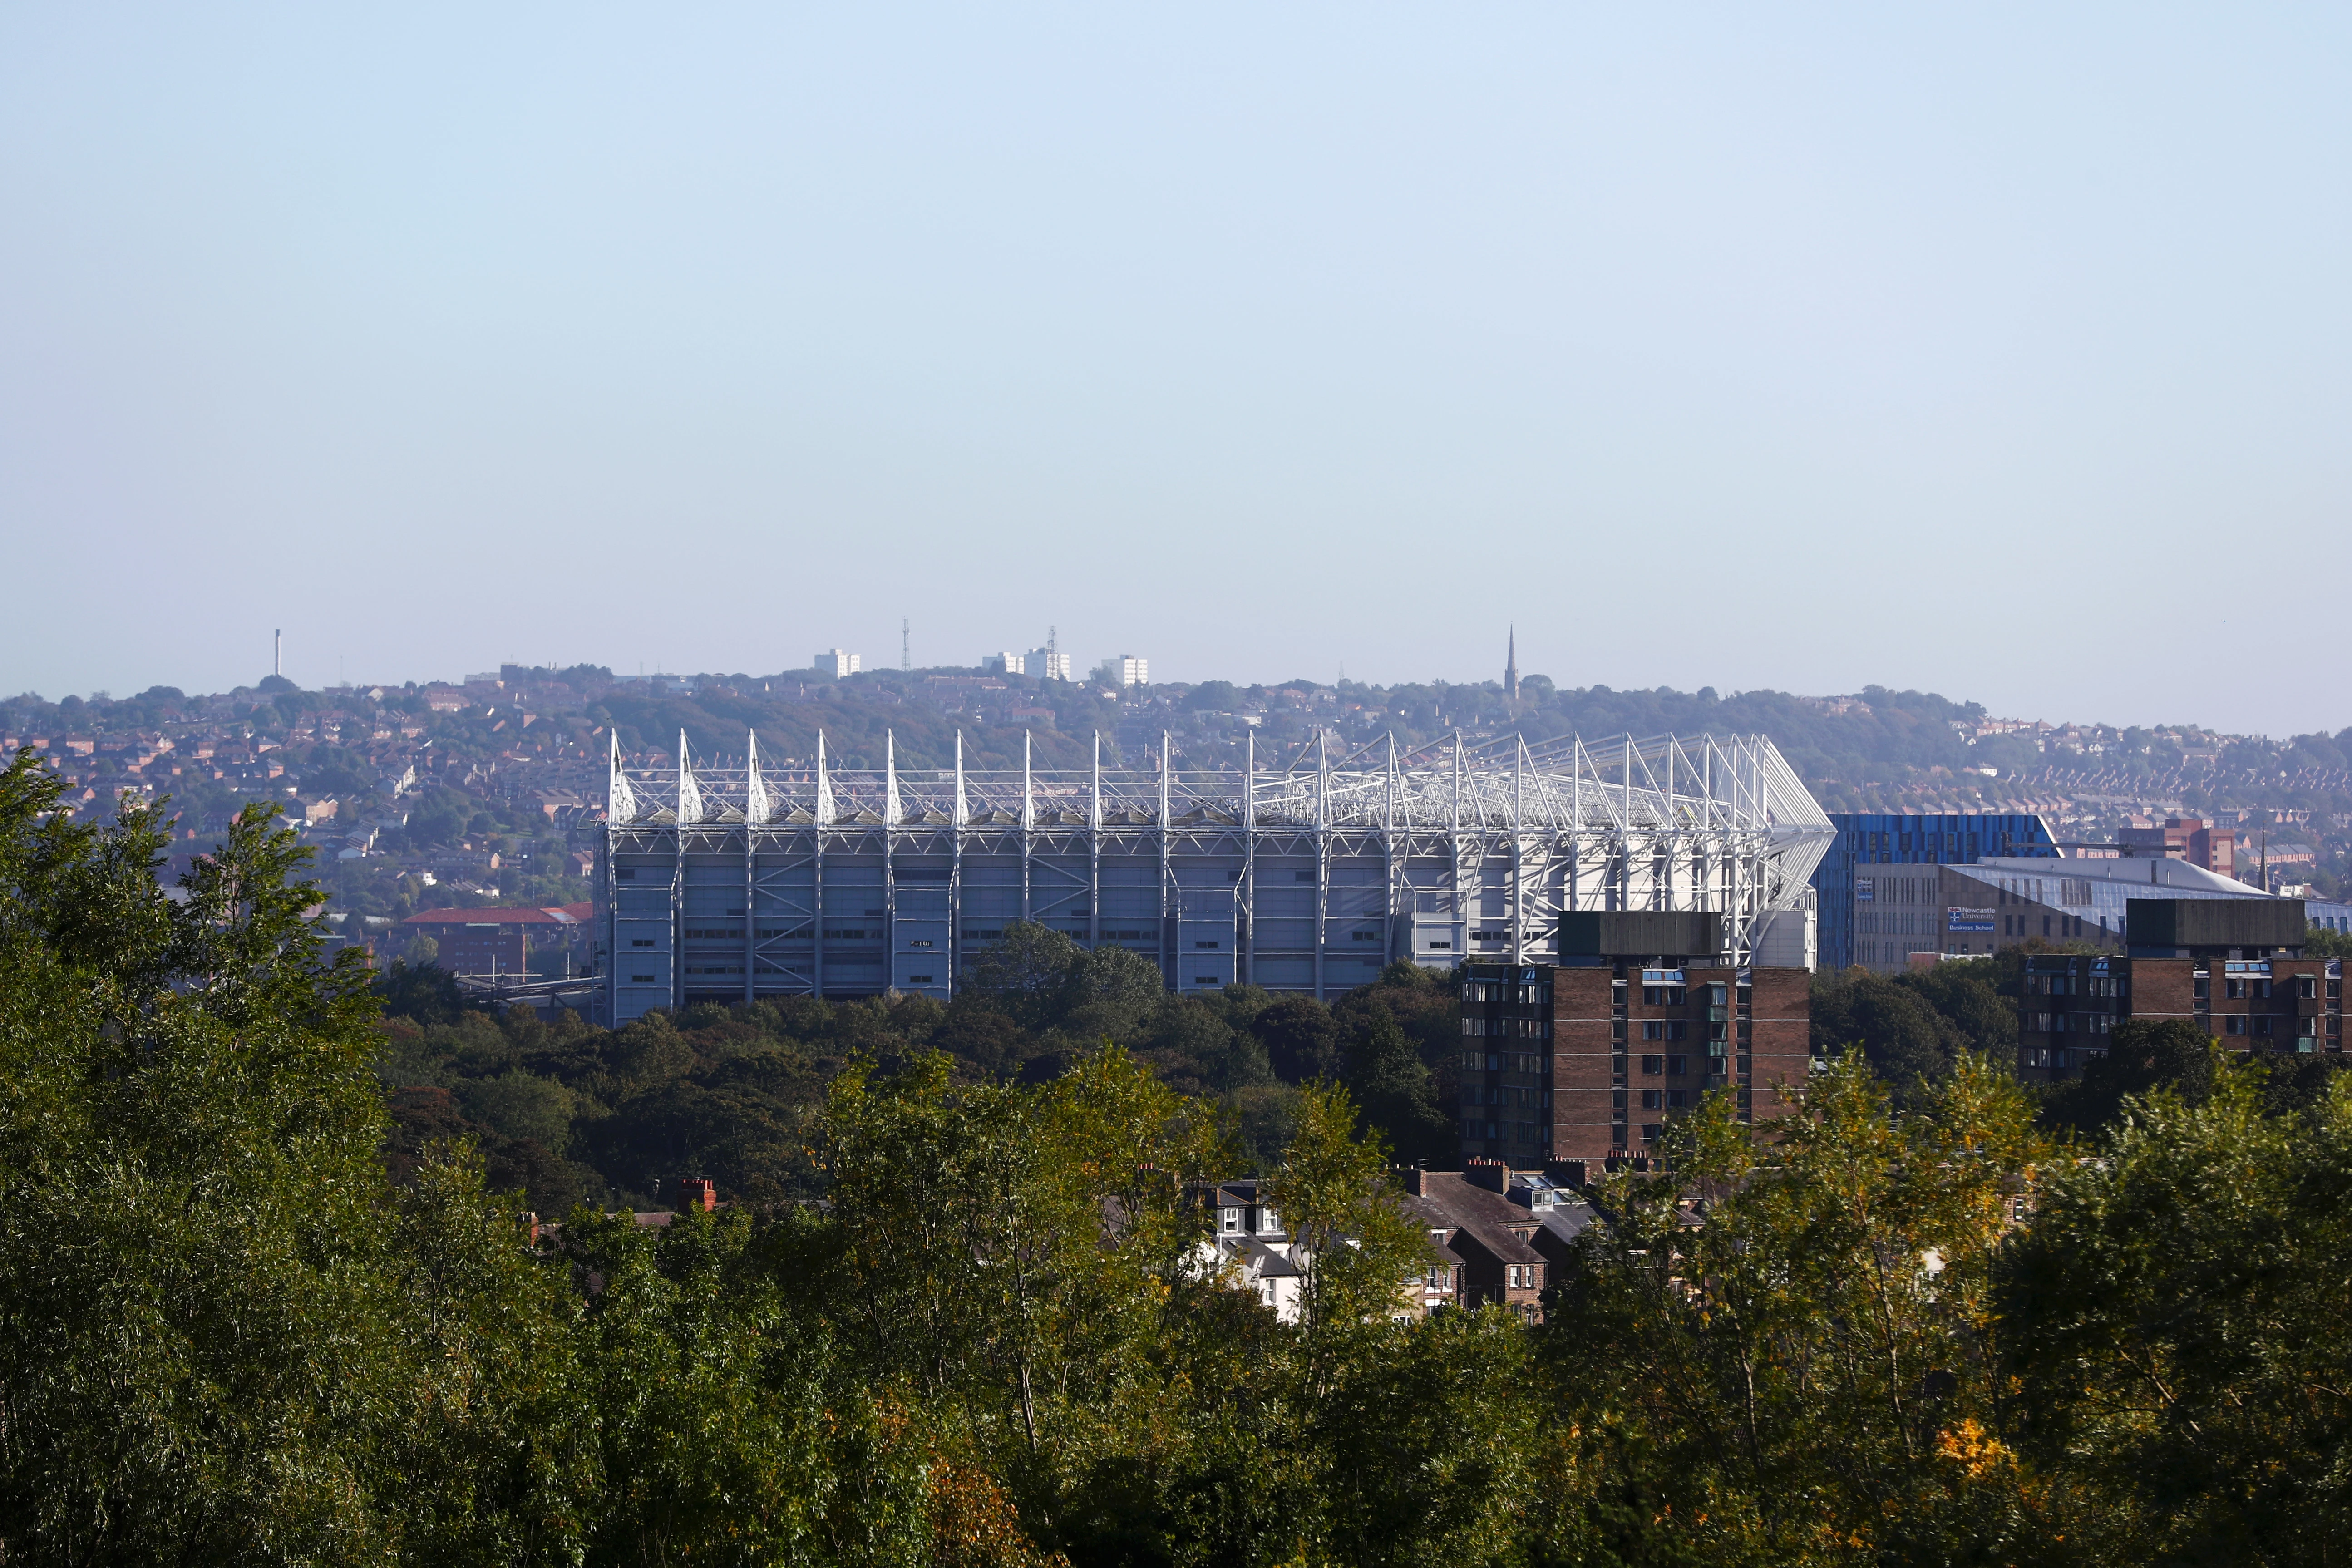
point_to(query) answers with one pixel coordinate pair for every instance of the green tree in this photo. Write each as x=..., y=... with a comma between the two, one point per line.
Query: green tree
x=1395, y=1090
x=2141, y=1057
x=1906, y=1040
x=1355, y=1245
x=1968, y=995
x=1784, y=1347
x=1009, y=1245
x=1301, y=1039
x=190, y=1341
x=1031, y=974
x=2175, y=1315
x=725, y=1428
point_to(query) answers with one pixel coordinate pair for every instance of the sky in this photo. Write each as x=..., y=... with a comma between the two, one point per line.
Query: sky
x=1998, y=349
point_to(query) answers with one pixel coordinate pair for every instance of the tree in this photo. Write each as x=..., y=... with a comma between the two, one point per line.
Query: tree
x=1906, y=1040
x=2175, y=1314
x=1394, y=1091
x=1012, y=1247
x=418, y=990
x=1031, y=973
x=1787, y=1344
x=725, y=1425
x=191, y=1344
x=2142, y=1057
x=1358, y=1247
x=1212, y=696
x=1968, y=996
x=1301, y=1040
x=439, y=817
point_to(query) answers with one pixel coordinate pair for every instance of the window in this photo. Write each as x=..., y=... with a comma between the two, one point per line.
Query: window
x=1650, y=1131
x=627, y=874
x=919, y=979
x=1439, y=1278
x=1209, y=946
x=2201, y=988
x=2262, y=1025
x=1677, y=1067
x=1230, y=1220
x=1676, y=1099
x=1654, y=1099
x=641, y=980
x=1652, y=1066
x=1205, y=980
x=2233, y=1026
x=641, y=941
x=924, y=942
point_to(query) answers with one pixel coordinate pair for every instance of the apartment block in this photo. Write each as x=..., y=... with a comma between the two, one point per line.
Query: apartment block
x=1589, y=1059
x=2235, y=968
x=2190, y=838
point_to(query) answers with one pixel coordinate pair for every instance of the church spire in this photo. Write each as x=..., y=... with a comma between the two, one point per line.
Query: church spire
x=1511, y=667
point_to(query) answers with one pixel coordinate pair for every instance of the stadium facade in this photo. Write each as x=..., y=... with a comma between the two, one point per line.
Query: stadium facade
x=726, y=879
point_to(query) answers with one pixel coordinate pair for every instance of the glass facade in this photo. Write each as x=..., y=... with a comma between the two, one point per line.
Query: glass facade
x=1881, y=839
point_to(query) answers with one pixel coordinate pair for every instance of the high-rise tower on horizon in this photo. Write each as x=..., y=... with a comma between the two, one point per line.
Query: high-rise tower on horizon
x=1511, y=667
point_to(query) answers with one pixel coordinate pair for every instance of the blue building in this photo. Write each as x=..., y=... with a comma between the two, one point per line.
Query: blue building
x=1878, y=838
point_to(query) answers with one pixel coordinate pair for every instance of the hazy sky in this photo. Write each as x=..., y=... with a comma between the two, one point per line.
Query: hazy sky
x=2004, y=350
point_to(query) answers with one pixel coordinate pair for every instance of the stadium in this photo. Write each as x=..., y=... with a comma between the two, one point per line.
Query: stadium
x=721, y=880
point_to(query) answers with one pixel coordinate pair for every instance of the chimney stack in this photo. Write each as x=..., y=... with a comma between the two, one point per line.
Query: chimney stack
x=698, y=1192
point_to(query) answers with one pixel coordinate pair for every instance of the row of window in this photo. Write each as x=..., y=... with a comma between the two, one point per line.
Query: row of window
x=1502, y=1061
x=1513, y=1028
x=2073, y=1023
x=1507, y=1131
x=2084, y=986
x=1501, y=991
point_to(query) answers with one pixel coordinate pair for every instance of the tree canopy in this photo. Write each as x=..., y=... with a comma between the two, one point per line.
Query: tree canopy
x=284, y=1281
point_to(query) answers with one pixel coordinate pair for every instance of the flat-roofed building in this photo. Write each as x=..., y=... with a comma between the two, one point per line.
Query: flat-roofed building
x=2234, y=968
x=1870, y=910
x=1590, y=1058
x=496, y=941
x=2007, y=903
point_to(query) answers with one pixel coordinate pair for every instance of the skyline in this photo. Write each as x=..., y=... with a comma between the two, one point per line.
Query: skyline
x=2001, y=355
x=1081, y=669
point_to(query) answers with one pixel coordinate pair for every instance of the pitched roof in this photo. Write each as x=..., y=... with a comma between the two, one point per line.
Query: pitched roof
x=570, y=914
